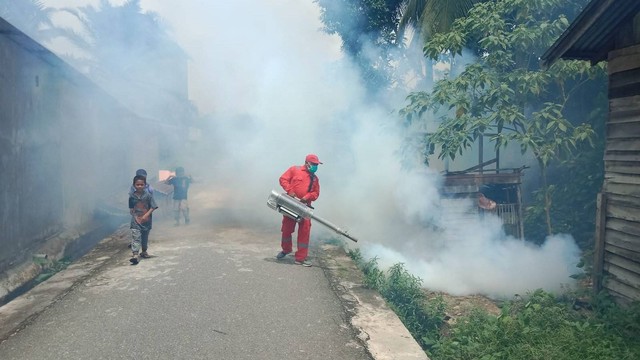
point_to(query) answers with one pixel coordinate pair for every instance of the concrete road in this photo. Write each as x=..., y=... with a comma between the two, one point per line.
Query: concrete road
x=212, y=290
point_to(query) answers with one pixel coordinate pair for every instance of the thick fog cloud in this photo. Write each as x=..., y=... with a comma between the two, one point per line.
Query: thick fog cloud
x=275, y=88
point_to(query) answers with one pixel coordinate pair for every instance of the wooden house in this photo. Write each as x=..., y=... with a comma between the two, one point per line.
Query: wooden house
x=609, y=30
x=501, y=188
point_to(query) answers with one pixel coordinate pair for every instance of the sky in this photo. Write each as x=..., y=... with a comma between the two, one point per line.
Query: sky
x=276, y=89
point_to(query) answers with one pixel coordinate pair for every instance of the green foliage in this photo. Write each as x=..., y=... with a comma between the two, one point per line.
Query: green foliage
x=574, y=196
x=618, y=320
x=505, y=95
x=373, y=276
x=108, y=32
x=538, y=327
x=403, y=292
x=355, y=255
x=368, y=30
x=406, y=297
x=334, y=240
x=50, y=268
x=432, y=16
x=359, y=21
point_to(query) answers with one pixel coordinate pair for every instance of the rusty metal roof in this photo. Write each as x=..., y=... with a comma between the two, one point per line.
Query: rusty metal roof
x=590, y=35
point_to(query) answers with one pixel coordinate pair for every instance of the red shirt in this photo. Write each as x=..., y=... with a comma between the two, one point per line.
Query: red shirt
x=296, y=180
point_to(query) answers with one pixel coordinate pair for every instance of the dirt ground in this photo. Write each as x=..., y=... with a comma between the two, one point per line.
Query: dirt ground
x=459, y=306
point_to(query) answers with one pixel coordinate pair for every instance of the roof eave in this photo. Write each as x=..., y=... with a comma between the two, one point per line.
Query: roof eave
x=574, y=32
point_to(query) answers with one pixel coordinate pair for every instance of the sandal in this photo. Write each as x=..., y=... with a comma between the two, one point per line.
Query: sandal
x=144, y=255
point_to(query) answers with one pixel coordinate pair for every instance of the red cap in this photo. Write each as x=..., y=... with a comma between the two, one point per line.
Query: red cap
x=312, y=159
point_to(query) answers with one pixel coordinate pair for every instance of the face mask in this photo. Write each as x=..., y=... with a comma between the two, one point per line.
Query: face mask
x=313, y=168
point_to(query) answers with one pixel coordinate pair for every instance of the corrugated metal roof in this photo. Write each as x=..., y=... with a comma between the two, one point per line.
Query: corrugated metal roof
x=590, y=36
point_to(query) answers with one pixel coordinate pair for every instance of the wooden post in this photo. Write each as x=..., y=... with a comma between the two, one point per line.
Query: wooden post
x=520, y=214
x=481, y=152
x=598, y=253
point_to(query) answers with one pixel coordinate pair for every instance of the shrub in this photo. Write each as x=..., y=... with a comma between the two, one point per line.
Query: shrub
x=538, y=326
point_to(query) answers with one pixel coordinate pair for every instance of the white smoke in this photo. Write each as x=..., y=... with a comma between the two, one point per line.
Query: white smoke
x=277, y=89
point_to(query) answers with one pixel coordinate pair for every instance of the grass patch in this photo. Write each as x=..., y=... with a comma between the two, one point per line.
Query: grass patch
x=403, y=292
x=333, y=240
x=538, y=326
x=50, y=268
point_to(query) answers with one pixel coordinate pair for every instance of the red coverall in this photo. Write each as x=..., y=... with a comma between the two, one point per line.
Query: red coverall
x=296, y=180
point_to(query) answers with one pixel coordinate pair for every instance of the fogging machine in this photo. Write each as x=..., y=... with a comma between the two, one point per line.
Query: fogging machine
x=297, y=210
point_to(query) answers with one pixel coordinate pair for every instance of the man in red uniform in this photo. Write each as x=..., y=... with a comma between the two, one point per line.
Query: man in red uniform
x=299, y=182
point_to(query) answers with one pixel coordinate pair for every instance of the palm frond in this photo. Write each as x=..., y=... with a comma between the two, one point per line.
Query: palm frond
x=83, y=42
x=81, y=14
x=442, y=13
x=433, y=16
x=411, y=15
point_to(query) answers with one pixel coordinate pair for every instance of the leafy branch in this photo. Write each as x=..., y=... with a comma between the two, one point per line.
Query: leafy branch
x=505, y=94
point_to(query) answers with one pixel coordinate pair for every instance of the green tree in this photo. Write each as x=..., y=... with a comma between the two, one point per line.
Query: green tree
x=368, y=29
x=117, y=39
x=429, y=17
x=576, y=180
x=131, y=55
x=505, y=94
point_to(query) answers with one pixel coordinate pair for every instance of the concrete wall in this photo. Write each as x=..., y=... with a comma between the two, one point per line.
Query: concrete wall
x=65, y=147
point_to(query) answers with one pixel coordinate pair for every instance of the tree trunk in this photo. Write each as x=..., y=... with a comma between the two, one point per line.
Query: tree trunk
x=547, y=197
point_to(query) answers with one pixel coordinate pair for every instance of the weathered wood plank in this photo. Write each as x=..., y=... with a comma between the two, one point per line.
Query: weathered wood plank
x=633, y=120
x=623, y=144
x=622, y=178
x=630, y=267
x=615, y=226
x=474, y=179
x=623, y=107
x=625, y=290
x=623, y=116
x=621, y=167
x=621, y=189
x=624, y=91
x=623, y=129
x=622, y=241
x=623, y=200
x=620, y=299
x=622, y=275
x=622, y=52
x=623, y=63
x=598, y=253
x=623, y=212
x=629, y=114
x=625, y=78
x=625, y=253
x=630, y=157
